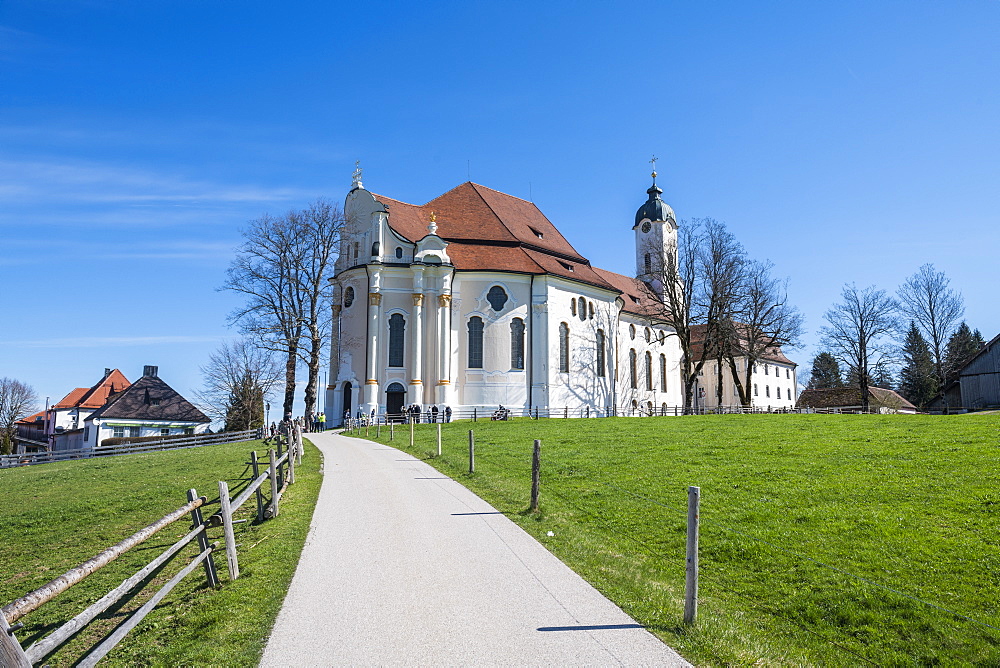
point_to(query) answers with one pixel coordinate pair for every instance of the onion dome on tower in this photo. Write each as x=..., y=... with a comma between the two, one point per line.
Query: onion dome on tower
x=654, y=209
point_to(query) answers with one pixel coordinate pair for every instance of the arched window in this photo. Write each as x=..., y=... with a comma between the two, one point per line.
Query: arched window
x=563, y=348
x=631, y=331
x=572, y=305
x=600, y=353
x=649, y=265
x=755, y=393
x=649, y=370
x=582, y=308
x=375, y=248
x=516, y=343
x=497, y=297
x=767, y=391
x=633, y=380
x=777, y=391
x=647, y=335
x=663, y=372
x=355, y=250
x=399, y=253
x=348, y=297
x=475, y=342
x=663, y=337
x=590, y=310
x=396, y=328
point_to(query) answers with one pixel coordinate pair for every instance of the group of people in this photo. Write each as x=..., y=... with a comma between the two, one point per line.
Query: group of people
x=316, y=422
x=501, y=413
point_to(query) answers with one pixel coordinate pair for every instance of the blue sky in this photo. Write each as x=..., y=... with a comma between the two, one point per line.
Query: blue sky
x=845, y=142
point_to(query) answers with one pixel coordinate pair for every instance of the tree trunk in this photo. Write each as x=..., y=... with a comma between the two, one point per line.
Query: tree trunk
x=291, y=363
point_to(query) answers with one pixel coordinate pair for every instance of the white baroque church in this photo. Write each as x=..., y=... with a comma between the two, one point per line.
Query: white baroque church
x=475, y=300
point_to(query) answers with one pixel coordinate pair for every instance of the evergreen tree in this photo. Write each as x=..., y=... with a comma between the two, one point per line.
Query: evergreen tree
x=825, y=372
x=918, y=378
x=962, y=345
x=882, y=377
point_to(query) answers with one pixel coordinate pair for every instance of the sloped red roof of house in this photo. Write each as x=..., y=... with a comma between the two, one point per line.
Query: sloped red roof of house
x=849, y=397
x=488, y=230
x=32, y=419
x=698, y=341
x=635, y=294
x=96, y=396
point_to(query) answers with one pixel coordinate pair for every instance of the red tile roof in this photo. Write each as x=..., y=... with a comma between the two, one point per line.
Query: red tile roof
x=698, y=340
x=96, y=396
x=637, y=297
x=32, y=419
x=850, y=397
x=488, y=230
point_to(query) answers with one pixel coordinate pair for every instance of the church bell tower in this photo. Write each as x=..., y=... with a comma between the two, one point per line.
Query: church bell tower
x=655, y=237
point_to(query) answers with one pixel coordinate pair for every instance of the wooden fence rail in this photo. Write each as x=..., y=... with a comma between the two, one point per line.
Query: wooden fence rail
x=11, y=653
x=31, y=458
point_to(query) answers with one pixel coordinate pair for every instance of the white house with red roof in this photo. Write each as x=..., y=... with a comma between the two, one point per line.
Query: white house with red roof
x=475, y=300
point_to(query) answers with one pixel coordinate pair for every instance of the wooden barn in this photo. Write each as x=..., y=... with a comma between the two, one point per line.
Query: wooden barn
x=979, y=379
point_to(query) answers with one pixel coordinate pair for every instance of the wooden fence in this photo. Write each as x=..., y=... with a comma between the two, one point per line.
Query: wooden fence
x=28, y=459
x=280, y=472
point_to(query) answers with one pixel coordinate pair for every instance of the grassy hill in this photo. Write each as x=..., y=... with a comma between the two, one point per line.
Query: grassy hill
x=826, y=539
x=57, y=515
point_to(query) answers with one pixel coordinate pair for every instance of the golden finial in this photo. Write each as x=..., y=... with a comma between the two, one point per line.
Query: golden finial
x=433, y=217
x=653, y=162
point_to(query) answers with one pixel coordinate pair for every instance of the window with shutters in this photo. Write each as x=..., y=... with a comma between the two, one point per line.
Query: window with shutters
x=397, y=327
x=517, y=344
x=475, y=342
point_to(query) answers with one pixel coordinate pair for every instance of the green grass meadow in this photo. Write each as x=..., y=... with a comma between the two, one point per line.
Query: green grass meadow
x=818, y=532
x=55, y=516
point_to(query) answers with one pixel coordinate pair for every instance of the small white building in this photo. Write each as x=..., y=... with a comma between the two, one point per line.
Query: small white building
x=475, y=299
x=147, y=407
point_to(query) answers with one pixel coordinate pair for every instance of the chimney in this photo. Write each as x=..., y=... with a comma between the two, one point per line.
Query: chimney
x=150, y=371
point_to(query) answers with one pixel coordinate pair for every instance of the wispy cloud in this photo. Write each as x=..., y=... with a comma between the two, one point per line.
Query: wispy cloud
x=92, y=182
x=103, y=341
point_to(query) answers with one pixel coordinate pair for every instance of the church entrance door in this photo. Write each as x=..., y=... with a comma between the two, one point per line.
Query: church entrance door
x=347, y=400
x=395, y=395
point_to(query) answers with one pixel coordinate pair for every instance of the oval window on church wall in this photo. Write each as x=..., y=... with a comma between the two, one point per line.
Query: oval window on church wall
x=348, y=297
x=497, y=297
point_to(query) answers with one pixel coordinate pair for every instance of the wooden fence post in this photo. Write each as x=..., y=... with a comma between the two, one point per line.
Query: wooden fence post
x=257, y=493
x=298, y=445
x=691, y=574
x=11, y=654
x=439, y=438
x=472, y=452
x=291, y=466
x=474, y=414
x=411, y=433
x=210, y=574
x=227, y=524
x=536, y=466
x=273, y=474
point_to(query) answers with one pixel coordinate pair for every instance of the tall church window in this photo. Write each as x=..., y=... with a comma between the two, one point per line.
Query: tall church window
x=563, y=348
x=572, y=305
x=396, y=328
x=649, y=370
x=375, y=248
x=348, y=297
x=631, y=331
x=475, y=342
x=497, y=297
x=633, y=381
x=590, y=310
x=649, y=267
x=600, y=353
x=663, y=372
x=355, y=250
x=647, y=334
x=516, y=343
x=582, y=308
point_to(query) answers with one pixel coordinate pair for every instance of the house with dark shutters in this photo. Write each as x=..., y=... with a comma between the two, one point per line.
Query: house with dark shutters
x=147, y=407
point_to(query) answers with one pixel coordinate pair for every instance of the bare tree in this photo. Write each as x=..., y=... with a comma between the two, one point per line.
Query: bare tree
x=767, y=322
x=695, y=292
x=281, y=269
x=17, y=401
x=239, y=377
x=321, y=225
x=936, y=309
x=858, y=332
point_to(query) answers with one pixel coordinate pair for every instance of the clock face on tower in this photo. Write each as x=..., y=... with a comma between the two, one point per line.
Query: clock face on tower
x=645, y=226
